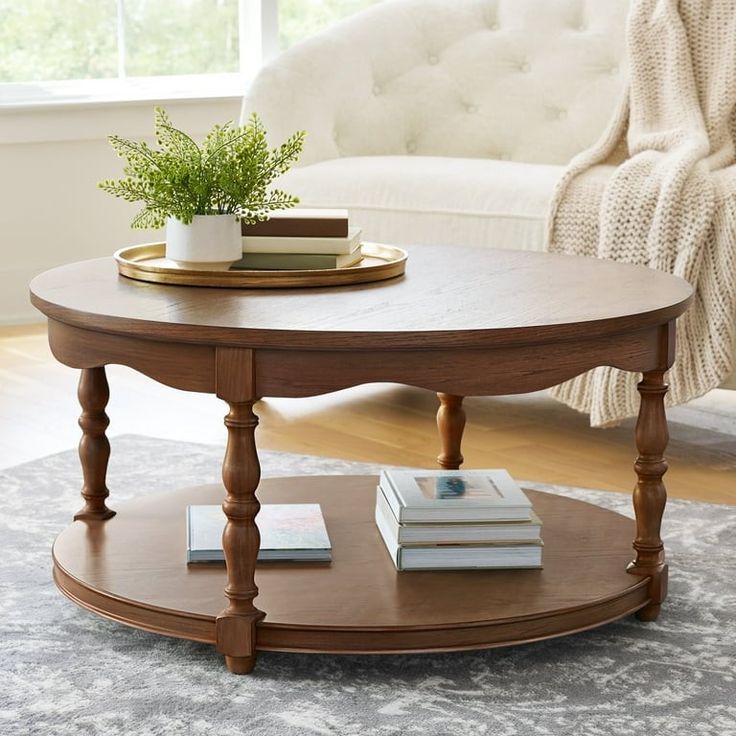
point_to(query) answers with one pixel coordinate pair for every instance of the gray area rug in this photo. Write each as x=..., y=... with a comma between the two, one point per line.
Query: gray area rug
x=65, y=671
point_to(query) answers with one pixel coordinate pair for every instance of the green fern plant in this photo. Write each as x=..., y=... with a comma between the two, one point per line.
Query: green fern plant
x=229, y=173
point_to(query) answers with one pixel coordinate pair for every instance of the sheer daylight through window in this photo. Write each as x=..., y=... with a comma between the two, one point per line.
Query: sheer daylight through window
x=299, y=19
x=51, y=40
x=43, y=40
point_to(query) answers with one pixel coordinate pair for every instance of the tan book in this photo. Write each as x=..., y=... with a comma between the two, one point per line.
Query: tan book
x=283, y=244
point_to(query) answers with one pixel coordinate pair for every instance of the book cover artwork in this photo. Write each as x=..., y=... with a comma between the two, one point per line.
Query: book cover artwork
x=445, y=487
x=454, y=495
x=288, y=531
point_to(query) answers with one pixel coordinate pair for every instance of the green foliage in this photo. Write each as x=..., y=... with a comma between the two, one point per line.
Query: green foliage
x=180, y=37
x=299, y=19
x=230, y=173
x=57, y=39
x=77, y=39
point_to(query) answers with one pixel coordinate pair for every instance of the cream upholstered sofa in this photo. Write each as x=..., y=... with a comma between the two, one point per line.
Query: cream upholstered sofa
x=446, y=121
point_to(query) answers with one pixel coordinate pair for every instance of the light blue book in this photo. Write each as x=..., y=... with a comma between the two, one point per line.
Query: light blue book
x=293, y=532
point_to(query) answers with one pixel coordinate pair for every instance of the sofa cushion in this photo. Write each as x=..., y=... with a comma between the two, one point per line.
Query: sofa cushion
x=411, y=200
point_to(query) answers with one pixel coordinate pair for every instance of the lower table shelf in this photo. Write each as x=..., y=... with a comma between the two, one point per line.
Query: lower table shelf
x=132, y=568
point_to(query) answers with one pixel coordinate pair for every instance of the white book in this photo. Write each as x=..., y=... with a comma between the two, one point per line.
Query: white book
x=454, y=495
x=328, y=246
x=458, y=557
x=491, y=532
x=289, y=532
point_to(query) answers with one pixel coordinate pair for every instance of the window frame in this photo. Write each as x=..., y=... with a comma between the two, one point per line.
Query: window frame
x=258, y=37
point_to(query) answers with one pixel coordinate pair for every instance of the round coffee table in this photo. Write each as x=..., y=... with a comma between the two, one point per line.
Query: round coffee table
x=461, y=322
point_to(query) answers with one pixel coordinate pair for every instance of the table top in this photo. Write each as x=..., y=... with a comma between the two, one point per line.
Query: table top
x=449, y=297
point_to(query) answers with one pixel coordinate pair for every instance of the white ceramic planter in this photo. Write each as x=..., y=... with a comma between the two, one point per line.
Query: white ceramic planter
x=210, y=241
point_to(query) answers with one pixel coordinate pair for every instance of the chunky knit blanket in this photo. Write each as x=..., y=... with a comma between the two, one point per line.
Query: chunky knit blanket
x=659, y=189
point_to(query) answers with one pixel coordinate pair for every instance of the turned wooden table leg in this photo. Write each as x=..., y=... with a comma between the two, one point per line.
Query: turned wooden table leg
x=94, y=447
x=451, y=423
x=650, y=495
x=241, y=472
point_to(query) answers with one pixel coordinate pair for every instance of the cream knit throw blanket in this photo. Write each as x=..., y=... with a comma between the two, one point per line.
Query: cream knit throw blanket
x=659, y=189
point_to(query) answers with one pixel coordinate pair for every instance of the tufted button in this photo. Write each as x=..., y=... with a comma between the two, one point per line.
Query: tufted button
x=411, y=146
x=471, y=108
x=562, y=114
x=525, y=67
x=377, y=90
x=582, y=28
x=613, y=69
x=493, y=26
x=434, y=59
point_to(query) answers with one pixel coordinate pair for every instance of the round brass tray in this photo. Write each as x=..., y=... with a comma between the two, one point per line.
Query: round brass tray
x=148, y=263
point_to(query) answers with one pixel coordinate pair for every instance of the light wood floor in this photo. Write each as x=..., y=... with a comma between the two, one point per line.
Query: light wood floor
x=532, y=436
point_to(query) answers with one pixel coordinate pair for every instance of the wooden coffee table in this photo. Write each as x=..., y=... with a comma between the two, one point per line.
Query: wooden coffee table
x=461, y=322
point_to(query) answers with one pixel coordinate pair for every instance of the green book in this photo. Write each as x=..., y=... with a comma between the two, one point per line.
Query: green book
x=295, y=261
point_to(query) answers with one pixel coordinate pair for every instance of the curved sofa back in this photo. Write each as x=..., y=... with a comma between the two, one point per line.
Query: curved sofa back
x=522, y=80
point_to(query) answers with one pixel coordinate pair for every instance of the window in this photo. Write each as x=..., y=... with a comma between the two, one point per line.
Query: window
x=45, y=40
x=48, y=40
x=299, y=19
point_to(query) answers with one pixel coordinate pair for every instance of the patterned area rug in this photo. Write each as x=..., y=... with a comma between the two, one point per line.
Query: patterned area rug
x=65, y=671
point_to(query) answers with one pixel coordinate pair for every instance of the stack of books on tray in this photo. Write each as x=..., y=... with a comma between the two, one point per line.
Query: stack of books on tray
x=300, y=239
x=293, y=532
x=457, y=519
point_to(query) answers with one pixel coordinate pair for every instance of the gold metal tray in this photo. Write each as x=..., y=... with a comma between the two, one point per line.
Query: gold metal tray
x=148, y=263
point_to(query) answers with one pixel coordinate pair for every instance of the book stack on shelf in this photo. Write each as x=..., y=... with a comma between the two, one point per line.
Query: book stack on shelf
x=453, y=519
x=290, y=532
x=300, y=239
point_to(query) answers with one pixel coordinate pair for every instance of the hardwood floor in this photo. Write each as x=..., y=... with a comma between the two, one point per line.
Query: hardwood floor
x=531, y=435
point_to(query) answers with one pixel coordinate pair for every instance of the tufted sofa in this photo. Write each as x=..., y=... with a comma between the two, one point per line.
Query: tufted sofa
x=446, y=121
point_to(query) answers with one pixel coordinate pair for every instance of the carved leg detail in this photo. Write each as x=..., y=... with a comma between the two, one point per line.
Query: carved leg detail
x=241, y=472
x=94, y=448
x=650, y=495
x=451, y=423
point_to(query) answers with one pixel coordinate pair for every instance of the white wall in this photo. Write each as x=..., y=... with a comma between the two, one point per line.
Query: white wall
x=51, y=211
